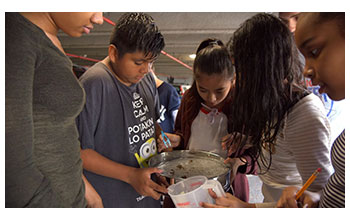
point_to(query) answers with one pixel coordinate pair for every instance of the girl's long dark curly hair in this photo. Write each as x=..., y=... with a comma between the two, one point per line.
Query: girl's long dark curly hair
x=269, y=79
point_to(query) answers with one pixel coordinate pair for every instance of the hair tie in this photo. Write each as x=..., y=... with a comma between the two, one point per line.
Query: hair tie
x=215, y=42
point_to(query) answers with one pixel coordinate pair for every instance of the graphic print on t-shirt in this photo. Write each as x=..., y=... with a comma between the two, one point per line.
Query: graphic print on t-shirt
x=142, y=134
x=161, y=112
x=147, y=150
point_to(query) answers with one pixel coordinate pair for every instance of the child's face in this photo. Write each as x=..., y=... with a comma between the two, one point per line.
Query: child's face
x=323, y=47
x=290, y=19
x=132, y=67
x=213, y=89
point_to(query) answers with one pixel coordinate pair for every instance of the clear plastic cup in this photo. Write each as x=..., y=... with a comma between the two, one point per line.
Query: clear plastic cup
x=190, y=192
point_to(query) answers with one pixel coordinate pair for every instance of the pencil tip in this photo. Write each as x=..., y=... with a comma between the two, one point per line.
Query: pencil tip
x=319, y=170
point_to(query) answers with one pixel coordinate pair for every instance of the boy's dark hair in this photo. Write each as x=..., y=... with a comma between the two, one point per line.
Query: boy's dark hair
x=268, y=71
x=212, y=57
x=137, y=32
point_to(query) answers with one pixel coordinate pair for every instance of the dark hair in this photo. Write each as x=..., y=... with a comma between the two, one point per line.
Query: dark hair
x=268, y=69
x=137, y=32
x=212, y=57
x=207, y=42
x=328, y=16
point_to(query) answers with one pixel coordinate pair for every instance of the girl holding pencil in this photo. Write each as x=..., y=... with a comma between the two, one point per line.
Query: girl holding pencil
x=321, y=39
x=287, y=125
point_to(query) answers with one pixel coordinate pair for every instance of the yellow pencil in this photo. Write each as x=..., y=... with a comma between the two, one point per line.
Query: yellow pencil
x=308, y=183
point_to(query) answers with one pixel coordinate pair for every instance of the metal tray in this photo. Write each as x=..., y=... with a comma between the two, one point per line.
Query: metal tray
x=181, y=164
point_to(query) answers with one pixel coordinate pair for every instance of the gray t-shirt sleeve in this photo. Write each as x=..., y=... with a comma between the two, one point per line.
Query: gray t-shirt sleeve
x=87, y=120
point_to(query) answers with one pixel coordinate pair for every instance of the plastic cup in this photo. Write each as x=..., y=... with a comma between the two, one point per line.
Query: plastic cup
x=190, y=192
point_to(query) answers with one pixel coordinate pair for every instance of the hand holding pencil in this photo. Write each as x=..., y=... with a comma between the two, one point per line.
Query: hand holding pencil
x=308, y=183
x=293, y=198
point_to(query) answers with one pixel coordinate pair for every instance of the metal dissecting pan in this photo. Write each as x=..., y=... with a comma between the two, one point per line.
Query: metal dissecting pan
x=181, y=164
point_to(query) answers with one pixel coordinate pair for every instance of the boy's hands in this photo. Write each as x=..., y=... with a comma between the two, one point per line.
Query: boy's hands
x=92, y=197
x=141, y=180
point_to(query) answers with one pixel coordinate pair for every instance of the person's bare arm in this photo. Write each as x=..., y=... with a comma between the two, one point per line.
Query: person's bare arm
x=92, y=197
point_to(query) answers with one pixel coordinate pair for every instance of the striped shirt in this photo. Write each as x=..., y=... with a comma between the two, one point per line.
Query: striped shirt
x=333, y=195
x=302, y=146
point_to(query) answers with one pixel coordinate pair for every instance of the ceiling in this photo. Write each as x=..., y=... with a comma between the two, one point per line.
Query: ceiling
x=183, y=31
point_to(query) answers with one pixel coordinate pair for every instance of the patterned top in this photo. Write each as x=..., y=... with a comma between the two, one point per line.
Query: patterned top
x=169, y=104
x=333, y=195
x=303, y=145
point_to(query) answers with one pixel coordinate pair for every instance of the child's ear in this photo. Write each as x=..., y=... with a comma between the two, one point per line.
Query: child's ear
x=113, y=53
x=233, y=82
